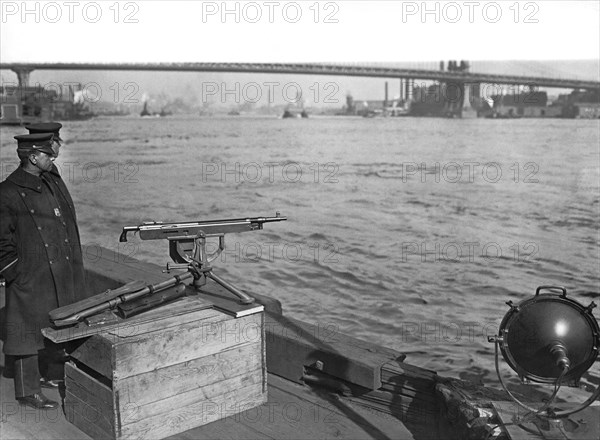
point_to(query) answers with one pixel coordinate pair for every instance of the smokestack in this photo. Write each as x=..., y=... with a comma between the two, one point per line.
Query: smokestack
x=386, y=95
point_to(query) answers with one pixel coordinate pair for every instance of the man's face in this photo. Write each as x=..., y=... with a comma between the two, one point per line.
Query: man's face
x=56, y=147
x=43, y=161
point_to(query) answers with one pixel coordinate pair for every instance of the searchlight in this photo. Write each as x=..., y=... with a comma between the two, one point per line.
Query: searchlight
x=549, y=339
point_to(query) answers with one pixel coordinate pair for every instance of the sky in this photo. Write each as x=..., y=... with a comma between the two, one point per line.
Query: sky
x=285, y=31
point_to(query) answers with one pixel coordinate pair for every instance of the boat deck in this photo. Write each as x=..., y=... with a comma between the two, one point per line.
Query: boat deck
x=320, y=386
x=302, y=403
x=292, y=412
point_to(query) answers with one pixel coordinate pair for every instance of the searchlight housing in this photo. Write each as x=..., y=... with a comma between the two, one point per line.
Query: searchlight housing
x=549, y=339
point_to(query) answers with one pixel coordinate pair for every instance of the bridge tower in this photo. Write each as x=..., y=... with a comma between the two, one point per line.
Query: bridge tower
x=472, y=100
x=409, y=84
x=453, y=94
x=22, y=75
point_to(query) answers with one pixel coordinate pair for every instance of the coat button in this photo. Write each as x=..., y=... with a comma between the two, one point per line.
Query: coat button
x=22, y=194
x=32, y=211
x=39, y=187
x=51, y=262
x=66, y=240
x=39, y=228
x=67, y=257
x=46, y=244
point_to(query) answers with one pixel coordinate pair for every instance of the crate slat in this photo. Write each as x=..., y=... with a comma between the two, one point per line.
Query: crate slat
x=183, y=418
x=174, y=345
x=177, y=379
x=90, y=418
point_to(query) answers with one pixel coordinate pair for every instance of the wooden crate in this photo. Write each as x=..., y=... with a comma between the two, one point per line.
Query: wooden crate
x=160, y=378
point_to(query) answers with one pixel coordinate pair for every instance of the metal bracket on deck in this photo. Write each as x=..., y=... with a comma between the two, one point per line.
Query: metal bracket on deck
x=189, y=253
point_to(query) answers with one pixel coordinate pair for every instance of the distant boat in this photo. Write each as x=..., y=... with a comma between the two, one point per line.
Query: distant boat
x=145, y=111
x=289, y=114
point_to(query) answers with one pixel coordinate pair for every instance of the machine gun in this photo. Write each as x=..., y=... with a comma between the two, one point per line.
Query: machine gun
x=187, y=245
x=187, y=248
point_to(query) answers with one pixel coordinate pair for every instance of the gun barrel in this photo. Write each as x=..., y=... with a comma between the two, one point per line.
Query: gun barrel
x=158, y=230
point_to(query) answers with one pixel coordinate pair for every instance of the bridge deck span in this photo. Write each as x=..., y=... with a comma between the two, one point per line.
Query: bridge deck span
x=318, y=69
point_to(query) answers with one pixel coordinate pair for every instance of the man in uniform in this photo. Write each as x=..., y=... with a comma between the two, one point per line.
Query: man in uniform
x=40, y=258
x=51, y=360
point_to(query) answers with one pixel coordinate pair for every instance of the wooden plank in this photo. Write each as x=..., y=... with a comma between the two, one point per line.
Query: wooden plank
x=293, y=344
x=187, y=411
x=226, y=302
x=233, y=307
x=81, y=383
x=398, y=368
x=177, y=379
x=89, y=397
x=198, y=395
x=96, y=352
x=296, y=412
x=183, y=343
x=264, y=351
x=87, y=417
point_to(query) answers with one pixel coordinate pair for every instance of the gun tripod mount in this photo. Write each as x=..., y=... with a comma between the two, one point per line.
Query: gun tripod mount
x=191, y=254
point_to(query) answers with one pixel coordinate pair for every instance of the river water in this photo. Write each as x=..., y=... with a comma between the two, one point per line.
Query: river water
x=410, y=233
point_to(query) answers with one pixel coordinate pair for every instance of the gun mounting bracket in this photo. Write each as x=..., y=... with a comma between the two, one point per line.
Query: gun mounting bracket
x=189, y=252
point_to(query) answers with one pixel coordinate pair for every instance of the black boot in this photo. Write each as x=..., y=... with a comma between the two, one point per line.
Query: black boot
x=38, y=401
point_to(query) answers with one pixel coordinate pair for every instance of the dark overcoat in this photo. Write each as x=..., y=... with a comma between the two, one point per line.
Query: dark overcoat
x=40, y=255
